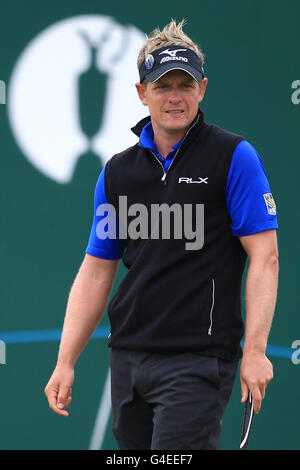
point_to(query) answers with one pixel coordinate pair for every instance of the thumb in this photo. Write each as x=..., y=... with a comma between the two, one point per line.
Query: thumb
x=62, y=398
x=244, y=391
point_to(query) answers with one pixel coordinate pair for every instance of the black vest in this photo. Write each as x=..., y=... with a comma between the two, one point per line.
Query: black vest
x=174, y=299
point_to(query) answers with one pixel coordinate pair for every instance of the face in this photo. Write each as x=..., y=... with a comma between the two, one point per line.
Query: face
x=172, y=101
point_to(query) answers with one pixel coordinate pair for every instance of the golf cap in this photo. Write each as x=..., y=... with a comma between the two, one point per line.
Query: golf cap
x=170, y=58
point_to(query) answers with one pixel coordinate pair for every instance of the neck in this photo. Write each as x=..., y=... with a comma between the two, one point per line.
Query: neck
x=164, y=143
x=165, y=140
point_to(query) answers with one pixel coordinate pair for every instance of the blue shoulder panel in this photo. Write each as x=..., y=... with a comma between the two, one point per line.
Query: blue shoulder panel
x=249, y=198
x=100, y=243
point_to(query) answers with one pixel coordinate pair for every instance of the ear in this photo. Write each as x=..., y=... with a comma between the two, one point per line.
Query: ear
x=141, y=92
x=202, y=89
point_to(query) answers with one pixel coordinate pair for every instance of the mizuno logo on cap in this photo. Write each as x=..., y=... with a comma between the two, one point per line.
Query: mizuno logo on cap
x=172, y=53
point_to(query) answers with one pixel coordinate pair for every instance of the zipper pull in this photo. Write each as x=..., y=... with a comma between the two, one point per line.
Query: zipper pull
x=163, y=179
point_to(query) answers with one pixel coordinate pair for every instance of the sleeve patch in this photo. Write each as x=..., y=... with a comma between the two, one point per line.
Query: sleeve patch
x=270, y=203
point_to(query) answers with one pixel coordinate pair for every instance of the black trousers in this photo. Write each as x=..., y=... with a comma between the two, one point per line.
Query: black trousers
x=169, y=400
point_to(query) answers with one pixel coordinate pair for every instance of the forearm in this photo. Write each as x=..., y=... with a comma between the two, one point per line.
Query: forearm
x=86, y=306
x=261, y=293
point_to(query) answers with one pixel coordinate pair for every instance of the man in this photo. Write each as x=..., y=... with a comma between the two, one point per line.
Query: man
x=176, y=321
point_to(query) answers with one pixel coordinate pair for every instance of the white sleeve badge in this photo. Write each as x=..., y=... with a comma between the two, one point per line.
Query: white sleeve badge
x=270, y=203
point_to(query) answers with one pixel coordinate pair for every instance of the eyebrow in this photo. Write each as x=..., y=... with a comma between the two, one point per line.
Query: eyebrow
x=165, y=81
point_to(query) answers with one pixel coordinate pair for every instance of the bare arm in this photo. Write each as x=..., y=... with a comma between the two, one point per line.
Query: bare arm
x=86, y=306
x=261, y=293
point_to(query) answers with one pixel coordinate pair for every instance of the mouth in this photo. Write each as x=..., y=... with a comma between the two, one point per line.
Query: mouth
x=175, y=111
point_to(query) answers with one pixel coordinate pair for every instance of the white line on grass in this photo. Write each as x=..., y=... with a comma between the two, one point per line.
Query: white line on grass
x=102, y=417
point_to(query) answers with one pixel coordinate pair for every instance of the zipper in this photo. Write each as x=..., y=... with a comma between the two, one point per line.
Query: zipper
x=212, y=307
x=163, y=178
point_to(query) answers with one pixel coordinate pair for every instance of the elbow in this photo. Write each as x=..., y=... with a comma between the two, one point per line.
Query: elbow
x=266, y=261
x=273, y=262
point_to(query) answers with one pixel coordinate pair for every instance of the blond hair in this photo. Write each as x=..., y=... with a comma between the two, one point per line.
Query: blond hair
x=171, y=35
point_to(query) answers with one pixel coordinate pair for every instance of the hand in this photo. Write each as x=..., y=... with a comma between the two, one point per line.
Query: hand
x=59, y=389
x=255, y=374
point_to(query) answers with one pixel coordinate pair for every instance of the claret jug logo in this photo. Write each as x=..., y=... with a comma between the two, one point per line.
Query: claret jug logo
x=72, y=92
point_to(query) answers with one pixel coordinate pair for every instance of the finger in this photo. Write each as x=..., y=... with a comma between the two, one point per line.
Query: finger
x=257, y=398
x=52, y=400
x=244, y=391
x=262, y=390
x=63, y=397
x=52, y=397
x=61, y=412
x=69, y=399
x=263, y=386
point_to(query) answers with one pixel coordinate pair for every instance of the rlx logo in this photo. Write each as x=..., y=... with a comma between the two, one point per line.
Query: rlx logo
x=185, y=179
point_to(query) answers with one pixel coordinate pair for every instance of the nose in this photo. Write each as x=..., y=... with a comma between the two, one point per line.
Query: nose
x=175, y=96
